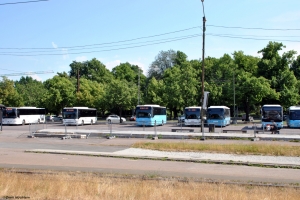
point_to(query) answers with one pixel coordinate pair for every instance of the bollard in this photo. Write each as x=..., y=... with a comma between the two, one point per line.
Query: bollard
x=155, y=137
x=155, y=128
x=65, y=128
x=181, y=125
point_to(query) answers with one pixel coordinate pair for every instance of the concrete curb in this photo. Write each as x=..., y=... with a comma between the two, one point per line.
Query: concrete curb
x=162, y=135
x=141, y=157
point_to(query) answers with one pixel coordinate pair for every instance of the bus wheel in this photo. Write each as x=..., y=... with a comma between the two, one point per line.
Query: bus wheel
x=82, y=122
x=23, y=122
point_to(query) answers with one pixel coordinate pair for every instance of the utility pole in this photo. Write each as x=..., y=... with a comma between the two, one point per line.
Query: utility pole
x=202, y=80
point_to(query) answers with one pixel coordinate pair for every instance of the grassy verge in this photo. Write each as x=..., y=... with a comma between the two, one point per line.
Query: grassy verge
x=91, y=186
x=245, y=149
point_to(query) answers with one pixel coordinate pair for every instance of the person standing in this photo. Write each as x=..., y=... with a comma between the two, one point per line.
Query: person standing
x=274, y=128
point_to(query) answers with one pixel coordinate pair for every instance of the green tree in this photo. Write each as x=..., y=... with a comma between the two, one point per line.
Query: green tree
x=155, y=91
x=91, y=70
x=295, y=67
x=132, y=74
x=8, y=94
x=163, y=61
x=90, y=95
x=121, y=95
x=251, y=90
x=276, y=68
x=172, y=94
x=60, y=93
x=31, y=91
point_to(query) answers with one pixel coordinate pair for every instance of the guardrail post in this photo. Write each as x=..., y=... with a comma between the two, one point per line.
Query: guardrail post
x=110, y=129
x=155, y=129
x=254, y=130
x=143, y=125
x=65, y=128
x=181, y=125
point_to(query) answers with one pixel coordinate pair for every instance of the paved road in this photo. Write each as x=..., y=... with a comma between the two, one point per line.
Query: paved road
x=13, y=143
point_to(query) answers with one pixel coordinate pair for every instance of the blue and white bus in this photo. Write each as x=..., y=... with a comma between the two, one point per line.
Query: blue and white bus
x=192, y=116
x=150, y=115
x=271, y=113
x=23, y=115
x=293, y=117
x=218, y=115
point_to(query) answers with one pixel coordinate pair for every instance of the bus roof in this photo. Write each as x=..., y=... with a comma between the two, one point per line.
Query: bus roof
x=294, y=108
x=25, y=107
x=150, y=105
x=193, y=107
x=77, y=108
x=271, y=105
x=218, y=107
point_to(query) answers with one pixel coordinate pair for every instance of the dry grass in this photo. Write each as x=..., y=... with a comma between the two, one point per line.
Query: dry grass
x=253, y=149
x=90, y=186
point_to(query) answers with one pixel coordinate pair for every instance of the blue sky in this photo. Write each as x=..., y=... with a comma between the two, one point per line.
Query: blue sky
x=96, y=27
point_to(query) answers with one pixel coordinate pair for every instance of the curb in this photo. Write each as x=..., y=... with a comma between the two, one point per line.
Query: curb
x=203, y=161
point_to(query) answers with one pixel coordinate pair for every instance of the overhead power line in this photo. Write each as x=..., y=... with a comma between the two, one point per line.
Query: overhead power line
x=266, y=29
x=21, y=2
x=250, y=38
x=69, y=47
x=112, y=46
x=27, y=73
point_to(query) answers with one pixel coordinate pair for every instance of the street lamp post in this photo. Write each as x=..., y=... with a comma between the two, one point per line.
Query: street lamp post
x=202, y=81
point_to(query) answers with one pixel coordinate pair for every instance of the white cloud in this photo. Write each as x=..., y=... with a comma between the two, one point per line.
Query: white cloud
x=81, y=59
x=54, y=45
x=36, y=77
x=112, y=64
x=141, y=65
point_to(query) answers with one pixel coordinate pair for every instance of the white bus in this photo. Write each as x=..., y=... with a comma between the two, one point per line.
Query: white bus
x=23, y=115
x=193, y=116
x=79, y=115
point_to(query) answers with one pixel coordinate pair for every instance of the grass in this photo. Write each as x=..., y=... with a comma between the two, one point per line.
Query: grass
x=92, y=186
x=244, y=149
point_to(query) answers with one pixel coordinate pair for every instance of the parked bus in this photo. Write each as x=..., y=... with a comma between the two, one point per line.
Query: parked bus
x=293, y=117
x=23, y=115
x=79, y=115
x=150, y=115
x=218, y=115
x=193, y=116
x=270, y=113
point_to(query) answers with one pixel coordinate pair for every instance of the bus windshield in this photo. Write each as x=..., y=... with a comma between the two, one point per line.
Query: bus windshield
x=192, y=113
x=271, y=113
x=217, y=113
x=294, y=115
x=143, y=113
x=9, y=113
x=69, y=114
